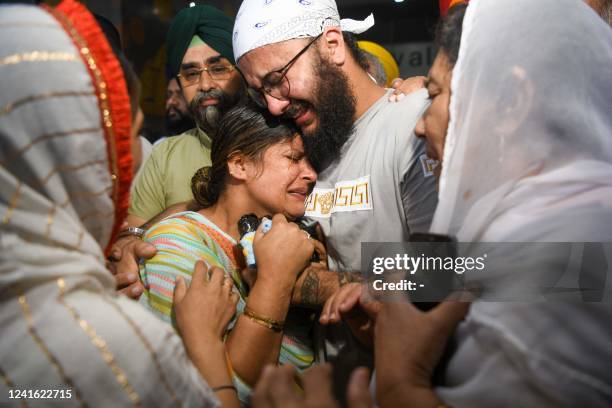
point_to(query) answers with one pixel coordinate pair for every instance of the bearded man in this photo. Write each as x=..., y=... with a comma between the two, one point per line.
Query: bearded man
x=178, y=118
x=375, y=183
x=200, y=57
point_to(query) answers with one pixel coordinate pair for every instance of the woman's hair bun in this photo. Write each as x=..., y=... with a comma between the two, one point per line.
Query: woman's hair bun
x=202, y=187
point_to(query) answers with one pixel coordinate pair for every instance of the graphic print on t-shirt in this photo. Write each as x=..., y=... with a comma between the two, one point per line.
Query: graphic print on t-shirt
x=428, y=165
x=346, y=196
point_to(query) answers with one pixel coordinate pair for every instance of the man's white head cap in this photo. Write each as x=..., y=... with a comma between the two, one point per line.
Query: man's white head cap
x=263, y=22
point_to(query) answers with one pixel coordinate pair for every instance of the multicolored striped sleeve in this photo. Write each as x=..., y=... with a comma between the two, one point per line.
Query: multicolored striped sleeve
x=180, y=243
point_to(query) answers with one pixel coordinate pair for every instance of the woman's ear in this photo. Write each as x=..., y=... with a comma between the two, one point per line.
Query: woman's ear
x=514, y=105
x=238, y=166
x=333, y=45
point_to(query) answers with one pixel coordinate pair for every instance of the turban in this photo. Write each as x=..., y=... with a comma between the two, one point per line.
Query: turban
x=386, y=59
x=207, y=22
x=260, y=22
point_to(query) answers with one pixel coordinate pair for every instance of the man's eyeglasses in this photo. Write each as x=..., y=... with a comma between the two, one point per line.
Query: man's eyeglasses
x=275, y=83
x=217, y=72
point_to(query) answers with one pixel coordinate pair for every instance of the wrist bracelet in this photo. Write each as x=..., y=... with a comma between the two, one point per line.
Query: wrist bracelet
x=249, y=312
x=135, y=231
x=271, y=324
x=224, y=387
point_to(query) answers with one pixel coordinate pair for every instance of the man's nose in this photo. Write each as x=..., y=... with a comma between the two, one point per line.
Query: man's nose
x=172, y=102
x=276, y=106
x=206, y=83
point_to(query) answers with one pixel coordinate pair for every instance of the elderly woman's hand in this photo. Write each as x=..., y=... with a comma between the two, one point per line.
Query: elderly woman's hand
x=409, y=344
x=353, y=304
x=123, y=264
x=204, y=310
x=405, y=87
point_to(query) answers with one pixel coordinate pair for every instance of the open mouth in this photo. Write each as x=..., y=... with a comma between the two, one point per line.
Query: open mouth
x=299, y=193
x=300, y=112
x=304, y=118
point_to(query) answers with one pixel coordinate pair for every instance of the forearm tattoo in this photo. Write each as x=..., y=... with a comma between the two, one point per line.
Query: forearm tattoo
x=316, y=285
x=309, y=293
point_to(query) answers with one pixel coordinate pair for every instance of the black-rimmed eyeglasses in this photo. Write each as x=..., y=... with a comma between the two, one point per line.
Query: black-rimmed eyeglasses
x=275, y=83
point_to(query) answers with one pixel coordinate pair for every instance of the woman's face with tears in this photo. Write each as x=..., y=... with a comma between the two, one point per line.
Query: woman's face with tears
x=282, y=180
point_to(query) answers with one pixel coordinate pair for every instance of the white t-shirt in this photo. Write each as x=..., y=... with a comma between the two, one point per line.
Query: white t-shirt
x=381, y=189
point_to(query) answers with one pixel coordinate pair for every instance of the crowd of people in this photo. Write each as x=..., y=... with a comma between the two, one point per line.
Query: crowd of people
x=137, y=280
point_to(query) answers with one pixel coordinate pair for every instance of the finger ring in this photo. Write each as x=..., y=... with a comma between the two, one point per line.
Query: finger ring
x=307, y=234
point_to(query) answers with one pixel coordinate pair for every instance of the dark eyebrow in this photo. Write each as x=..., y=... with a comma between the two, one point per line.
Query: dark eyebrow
x=214, y=60
x=189, y=65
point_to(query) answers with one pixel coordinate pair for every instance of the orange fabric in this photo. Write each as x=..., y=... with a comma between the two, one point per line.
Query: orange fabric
x=231, y=250
x=107, y=77
x=446, y=5
x=454, y=2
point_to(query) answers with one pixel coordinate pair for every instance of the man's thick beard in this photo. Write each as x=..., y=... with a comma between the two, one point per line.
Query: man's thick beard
x=207, y=117
x=335, y=110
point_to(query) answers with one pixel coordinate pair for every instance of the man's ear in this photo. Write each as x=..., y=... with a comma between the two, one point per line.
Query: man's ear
x=238, y=166
x=333, y=45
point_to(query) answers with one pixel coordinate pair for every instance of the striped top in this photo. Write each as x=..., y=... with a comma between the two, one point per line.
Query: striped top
x=187, y=237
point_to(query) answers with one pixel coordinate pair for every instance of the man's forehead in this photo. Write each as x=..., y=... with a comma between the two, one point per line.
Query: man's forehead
x=199, y=53
x=173, y=84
